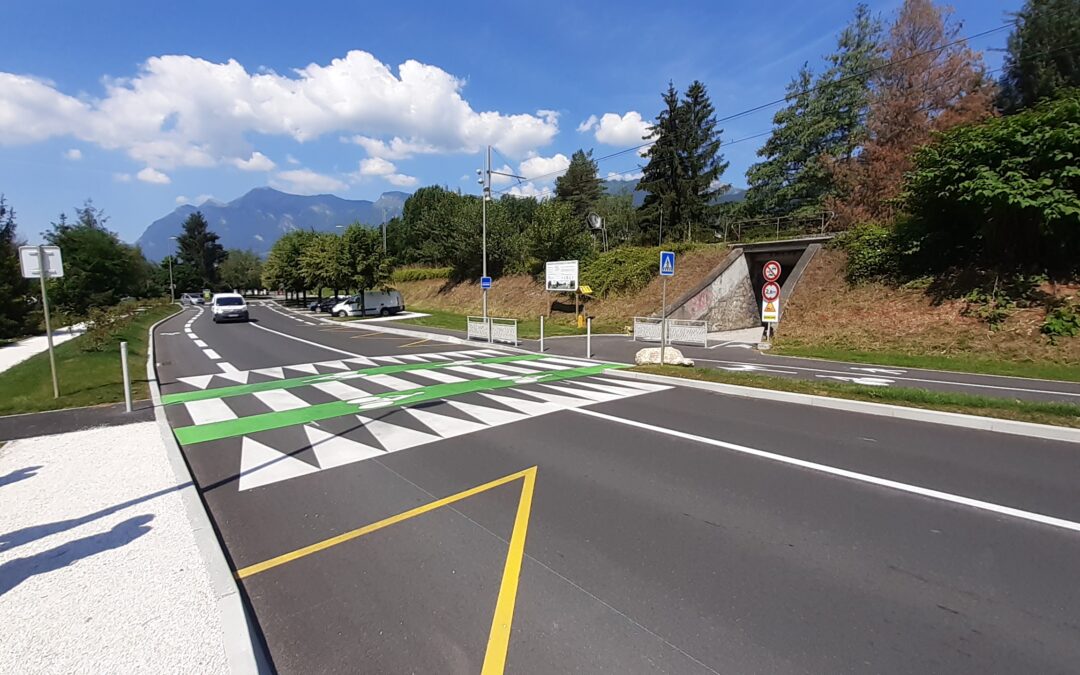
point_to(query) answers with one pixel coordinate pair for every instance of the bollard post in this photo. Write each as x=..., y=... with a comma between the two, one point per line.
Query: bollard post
x=588, y=338
x=127, y=378
x=541, y=333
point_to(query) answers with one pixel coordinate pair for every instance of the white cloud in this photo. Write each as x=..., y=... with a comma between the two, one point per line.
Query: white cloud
x=122, y=177
x=291, y=160
x=73, y=154
x=531, y=190
x=154, y=176
x=587, y=125
x=401, y=180
x=396, y=148
x=376, y=166
x=545, y=168
x=184, y=111
x=496, y=179
x=615, y=129
x=634, y=175
x=306, y=181
x=257, y=162
x=198, y=201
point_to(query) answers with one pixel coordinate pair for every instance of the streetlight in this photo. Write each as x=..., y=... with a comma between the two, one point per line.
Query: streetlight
x=172, y=286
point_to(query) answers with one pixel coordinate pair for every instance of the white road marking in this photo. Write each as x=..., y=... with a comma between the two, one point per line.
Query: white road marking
x=332, y=450
x=307, y=342
x=209, y=410
x=880, y=371
x=844, y=473
x=749, y=367
x=308, y=368
x=340, y=390
x=394, y=438
x=925, y=380
x=281, y=399
x=445, y=426
x=261, y=465
x=227, y=367
x=276, y=373
x=395, y=383
x=211, y=354
x=478, y=372
x=200, y=344
x=437, y=376
x=492, y=417
x=197, y=381
x=869, y=381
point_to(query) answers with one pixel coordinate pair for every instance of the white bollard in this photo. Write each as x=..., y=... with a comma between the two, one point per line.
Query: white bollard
x=127, y=377
x=541, y=333
x=588, y=337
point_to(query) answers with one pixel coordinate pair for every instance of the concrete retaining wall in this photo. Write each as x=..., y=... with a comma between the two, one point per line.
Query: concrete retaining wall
x=725, y=299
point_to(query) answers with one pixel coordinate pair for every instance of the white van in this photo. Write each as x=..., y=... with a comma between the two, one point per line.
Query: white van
x=228, y=307
x=382, y=303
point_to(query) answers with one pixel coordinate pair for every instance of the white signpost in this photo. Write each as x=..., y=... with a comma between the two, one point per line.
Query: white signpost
x=561, y=275
x=44, y=262
x=770, y=297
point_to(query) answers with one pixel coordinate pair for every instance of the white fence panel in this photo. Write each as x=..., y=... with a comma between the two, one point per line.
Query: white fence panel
x=646, y=329
x=492, y=329
x=477, y=328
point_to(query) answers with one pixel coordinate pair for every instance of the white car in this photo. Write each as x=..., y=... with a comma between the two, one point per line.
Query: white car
x=228, y=307
x=383, y=303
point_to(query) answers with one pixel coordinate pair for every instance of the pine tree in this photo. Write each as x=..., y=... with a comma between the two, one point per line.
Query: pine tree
x=580, y=186
x=198, y=247
x=1043, y=56
x=663, y=174
x=703, y=164
x=15, y=291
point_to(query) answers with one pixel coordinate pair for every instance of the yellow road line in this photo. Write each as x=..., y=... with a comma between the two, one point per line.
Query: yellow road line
x=252, y=570
x=499, y=637
x=417, y=343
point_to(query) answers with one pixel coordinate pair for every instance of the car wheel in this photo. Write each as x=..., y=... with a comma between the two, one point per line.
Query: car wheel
x=342, y=314
x=384, y=312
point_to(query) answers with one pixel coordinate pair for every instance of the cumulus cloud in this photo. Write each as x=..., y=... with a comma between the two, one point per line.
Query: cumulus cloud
x=615, y=129
x=291, y=160
x=401, y=180
x=257, y=162
x=184, y=111
x=497, y=179
x=197, y=201
x=307, y=182
x=546, y=167
x=154, y=176
x=73, y=154
x=376, y=166
x=630, y=175
x=531, y=190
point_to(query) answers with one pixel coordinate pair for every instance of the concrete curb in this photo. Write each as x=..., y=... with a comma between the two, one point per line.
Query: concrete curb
x=243, y=648
x=1026, y=429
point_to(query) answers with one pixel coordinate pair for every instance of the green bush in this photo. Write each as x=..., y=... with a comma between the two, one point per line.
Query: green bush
x=872, y=253
x=104, y=324
x=626, y=269
x=1063, y=321
x=420, y=273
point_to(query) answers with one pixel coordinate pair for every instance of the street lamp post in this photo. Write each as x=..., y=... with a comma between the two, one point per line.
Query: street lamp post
x=485, y=181
x=172, y=286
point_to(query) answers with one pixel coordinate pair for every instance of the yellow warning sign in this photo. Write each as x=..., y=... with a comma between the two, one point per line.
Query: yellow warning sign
x=770, y=311
x=587, y=290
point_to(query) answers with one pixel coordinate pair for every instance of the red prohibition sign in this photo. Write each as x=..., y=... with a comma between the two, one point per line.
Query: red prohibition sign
x=771, y=271
x=770, y=292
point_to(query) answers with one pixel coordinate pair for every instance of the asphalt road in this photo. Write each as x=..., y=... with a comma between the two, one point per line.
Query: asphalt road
x=396, y=505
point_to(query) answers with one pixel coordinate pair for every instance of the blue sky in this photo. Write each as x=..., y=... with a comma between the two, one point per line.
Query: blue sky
x=142, y=107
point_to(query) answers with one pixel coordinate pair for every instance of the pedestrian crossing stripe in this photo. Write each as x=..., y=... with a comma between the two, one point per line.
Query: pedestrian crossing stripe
x=239, y=426
x=279, y=382
x=262, y=465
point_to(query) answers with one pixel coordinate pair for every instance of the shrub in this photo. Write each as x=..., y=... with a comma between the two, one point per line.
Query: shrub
x=1063, y=321
x=626, y=269
x=871, y=252
x=420, y=273
x=105, y=324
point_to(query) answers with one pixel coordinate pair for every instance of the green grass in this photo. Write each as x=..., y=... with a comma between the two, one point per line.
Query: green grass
x=528, y=329
x=960, y=363
x=86, y=378
x=1041, y=412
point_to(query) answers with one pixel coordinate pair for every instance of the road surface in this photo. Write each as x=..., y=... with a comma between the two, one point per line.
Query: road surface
x=401, y=505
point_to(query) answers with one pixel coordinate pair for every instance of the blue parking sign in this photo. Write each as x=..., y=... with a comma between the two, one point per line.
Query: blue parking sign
x=667, y=263
x=485, y=283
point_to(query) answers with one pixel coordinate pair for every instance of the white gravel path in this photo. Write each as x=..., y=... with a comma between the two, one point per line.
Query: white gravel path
x=18, y=352
x=99, y=570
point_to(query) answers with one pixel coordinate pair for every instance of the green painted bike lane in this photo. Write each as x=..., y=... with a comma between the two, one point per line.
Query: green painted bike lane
x=213, y=431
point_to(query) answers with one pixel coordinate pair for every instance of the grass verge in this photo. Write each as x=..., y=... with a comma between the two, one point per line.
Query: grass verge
x=528, y=329
x=1040, y=412
x=962, y=364
x=86, y=378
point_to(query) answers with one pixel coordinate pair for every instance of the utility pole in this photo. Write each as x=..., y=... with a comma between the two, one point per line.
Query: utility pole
x=485, y=181
x=172, y=286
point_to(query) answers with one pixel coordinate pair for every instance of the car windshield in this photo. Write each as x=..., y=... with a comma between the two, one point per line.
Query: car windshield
x=229, y=301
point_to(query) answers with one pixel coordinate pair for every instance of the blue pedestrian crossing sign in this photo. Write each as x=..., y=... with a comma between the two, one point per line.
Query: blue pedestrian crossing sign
x=667, y=263
x=485, y=283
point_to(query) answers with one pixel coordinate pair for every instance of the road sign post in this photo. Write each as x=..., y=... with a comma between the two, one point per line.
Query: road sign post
x=485, y=283
x=41, y=262
x=127, y=376
x=770, y=297
x=667, y=269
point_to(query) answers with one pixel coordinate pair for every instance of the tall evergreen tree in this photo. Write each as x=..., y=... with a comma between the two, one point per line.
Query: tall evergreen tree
x=579, y=186
x=198, y=247
x=1043, y=56
x=15, y=293
x=703, y=164
x=825, y=121
x=662, y=175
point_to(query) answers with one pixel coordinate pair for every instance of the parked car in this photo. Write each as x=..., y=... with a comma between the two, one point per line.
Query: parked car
x=192, y=299
x=382, y=303
x=228, y=307
x=324, y=305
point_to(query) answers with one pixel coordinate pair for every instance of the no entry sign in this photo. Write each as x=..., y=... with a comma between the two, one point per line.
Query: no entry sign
x=770, y=292
x=771, y=270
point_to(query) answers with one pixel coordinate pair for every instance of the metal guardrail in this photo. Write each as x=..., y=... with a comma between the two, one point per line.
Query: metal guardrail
x=681, y=331
x=492, y=329
x=782, y=227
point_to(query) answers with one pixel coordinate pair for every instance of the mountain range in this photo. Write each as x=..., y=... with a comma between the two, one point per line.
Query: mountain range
x=256, y=220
